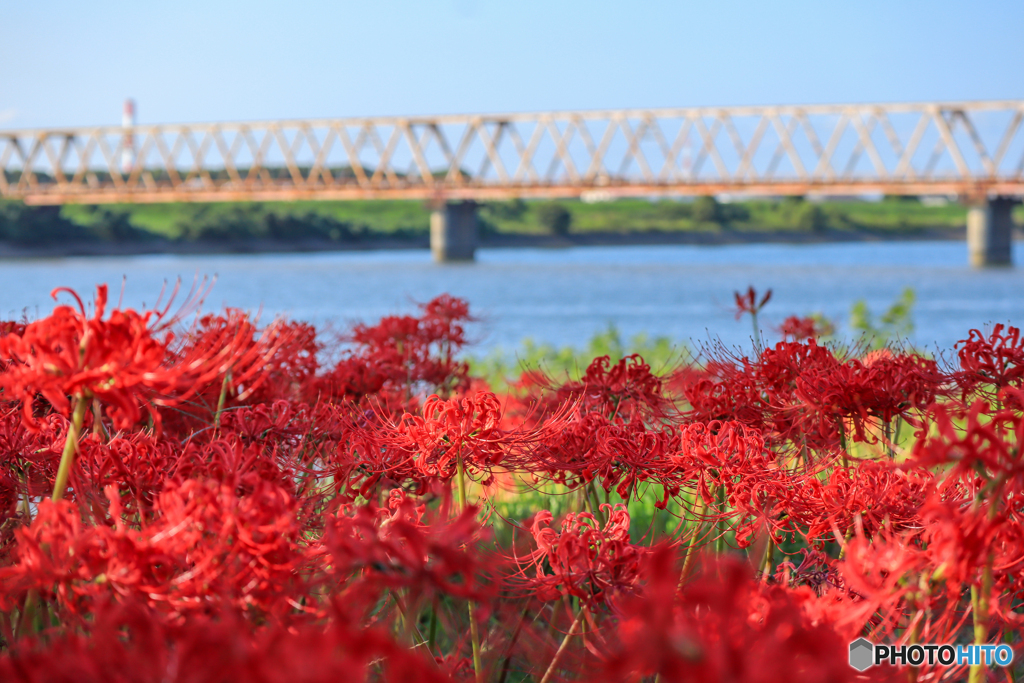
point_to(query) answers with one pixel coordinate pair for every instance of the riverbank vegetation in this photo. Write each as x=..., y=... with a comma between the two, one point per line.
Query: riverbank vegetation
x=864, y=329
x=355, y=221
x=199, y=497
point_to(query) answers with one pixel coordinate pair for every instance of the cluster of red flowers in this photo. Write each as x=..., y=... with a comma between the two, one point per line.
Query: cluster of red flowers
x=216, y=501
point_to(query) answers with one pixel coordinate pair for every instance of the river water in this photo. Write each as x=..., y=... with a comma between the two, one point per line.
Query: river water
x=564, y=296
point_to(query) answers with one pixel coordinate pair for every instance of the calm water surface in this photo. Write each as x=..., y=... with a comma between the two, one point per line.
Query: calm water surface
x=564, y=296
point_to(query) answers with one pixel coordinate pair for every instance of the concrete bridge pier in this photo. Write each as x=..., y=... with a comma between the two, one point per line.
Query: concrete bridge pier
x=990, y=232
x=453, y=232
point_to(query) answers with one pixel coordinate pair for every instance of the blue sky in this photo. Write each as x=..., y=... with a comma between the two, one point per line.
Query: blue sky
x=73, y=63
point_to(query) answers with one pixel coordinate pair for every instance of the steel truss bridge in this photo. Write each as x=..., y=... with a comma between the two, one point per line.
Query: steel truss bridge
x=973, y=150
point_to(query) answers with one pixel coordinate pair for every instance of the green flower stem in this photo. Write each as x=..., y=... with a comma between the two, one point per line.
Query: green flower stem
x=30, y=609
x=67, y=458
x=222, y=399
x=26, y=622
x=768, y=560
x=97, y=421
x=691, y=550
x=432, y=632
x=720, y=543
x=595, y=505
x=979, y=600
x=561, y=648
x=512, y=644
x=842, y=442
x=473, y=633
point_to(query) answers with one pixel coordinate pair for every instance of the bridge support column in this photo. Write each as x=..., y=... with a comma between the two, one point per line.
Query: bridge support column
x=453, y=232
x=990, y=232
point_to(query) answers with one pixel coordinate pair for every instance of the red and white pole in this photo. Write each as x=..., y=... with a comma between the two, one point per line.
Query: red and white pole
x=128, y=141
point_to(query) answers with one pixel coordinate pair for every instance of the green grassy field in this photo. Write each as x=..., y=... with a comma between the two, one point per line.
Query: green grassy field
x=338, y=219
x=175, y=221
x=640, y=215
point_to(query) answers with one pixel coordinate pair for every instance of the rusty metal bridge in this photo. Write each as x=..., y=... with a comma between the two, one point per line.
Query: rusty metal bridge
x=974, y=150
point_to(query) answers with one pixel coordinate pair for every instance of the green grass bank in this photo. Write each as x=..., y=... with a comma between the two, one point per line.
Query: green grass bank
x=344, y=222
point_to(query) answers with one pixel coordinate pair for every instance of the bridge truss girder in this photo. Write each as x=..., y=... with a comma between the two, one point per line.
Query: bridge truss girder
x=971, y=149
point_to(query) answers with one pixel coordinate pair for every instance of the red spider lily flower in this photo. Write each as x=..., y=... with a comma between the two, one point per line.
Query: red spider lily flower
x=8, y=327
x=995, y=361
x=724, y=626
x=747, y=302
x=983, y=447
x=354, y=379
x=816, y=570
x=621, y=455
x=130, y=643
x=872, y=494
x=139, y=465
x=205, y=545
x=34, y=454
x=761, y=393
x=459, y=432
x=1011, y=398
x=733, y=475
x=242, y=467
x=10, y=514
x=797, y=329
x=569, y=456
x=12, y=327
x=882, y=387
x=584, y=559
x=295, y=446
x=125, y=362
x=447, y=428
x=777, y=368
x=289, y=373
x=723, y=391
x=405, y=548
x=225, y=359
x=616, y=390
x=882, y=573
x=777, y=373
x=404, y=356
x=444, y=321
x=447, y=436
x=282, y=424
x=70, y=354
x=965, y=540
x=925, y=578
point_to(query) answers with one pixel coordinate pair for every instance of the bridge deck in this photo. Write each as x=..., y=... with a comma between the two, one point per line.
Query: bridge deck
x=971, y=149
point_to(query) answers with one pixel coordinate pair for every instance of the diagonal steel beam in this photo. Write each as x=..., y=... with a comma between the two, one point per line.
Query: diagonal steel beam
x=979, y=146
x=491, y=156
x=825, y=169
x=561, y=156
x=946, y=133
x=1004, y=143
x=746, y=164
x=633, y=151
x=905, y=167
x=868, y=144
x=785, y=133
